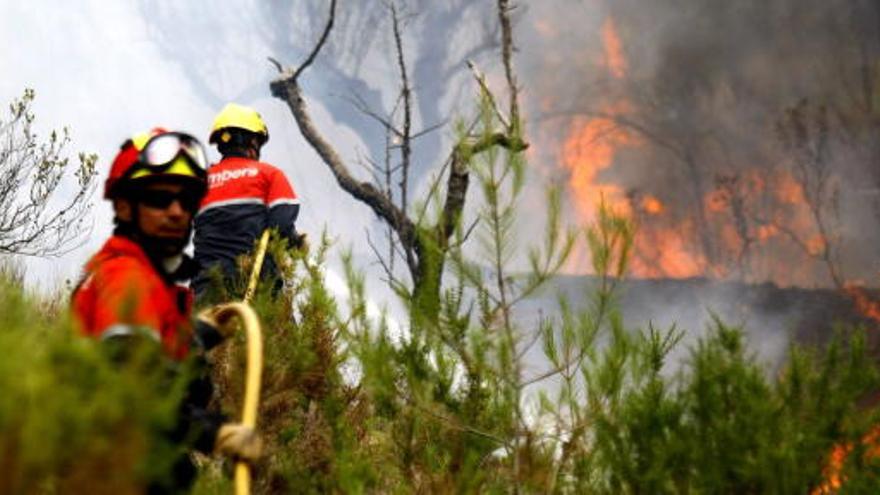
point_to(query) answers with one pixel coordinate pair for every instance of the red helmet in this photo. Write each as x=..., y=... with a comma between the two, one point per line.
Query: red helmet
x=157, y=153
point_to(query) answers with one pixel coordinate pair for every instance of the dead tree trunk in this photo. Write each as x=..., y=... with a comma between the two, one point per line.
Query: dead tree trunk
x=425, y=246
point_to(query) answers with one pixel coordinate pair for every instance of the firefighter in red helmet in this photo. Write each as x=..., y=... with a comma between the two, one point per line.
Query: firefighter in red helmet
x=131, y=289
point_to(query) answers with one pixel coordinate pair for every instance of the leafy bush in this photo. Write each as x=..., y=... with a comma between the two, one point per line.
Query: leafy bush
x=71, y=419
x=450, y=406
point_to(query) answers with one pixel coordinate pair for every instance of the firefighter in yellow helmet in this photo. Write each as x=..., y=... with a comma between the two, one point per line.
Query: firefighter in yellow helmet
x=235, y=117
x=245, y=196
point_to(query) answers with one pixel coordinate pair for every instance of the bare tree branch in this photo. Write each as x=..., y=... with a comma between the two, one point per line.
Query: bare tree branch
x=458, y=174
x=32, y=221
x=362, y=107
x=387, y=267
x=429, y=129
x=406, y=95
x=311, y=58
x=424, y=247
x=481, y=80
x=287, y=89
x=504, y=10
x=276, y=63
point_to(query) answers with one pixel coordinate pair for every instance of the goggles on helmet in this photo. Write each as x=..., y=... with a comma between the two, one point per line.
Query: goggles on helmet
x=161, y=154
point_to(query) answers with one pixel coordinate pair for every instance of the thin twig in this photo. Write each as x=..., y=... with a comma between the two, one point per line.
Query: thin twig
x=317, y=48
x=406, y=94
x=455, y=424
x=429, y=129
x=362, y=106
x=467, y=234
x=278, y=65
x=504, y=10
x=389, y=270
x=481, y=80
x=369, y=165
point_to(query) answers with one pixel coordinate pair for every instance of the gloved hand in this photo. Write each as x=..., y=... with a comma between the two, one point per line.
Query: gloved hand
x=239, y=442
x=302, y=242
x=220, y=318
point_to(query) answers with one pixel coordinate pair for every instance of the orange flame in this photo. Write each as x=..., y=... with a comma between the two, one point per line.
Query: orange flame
x=613, y=48
x=834, y=467
x=789, y=190
x=590, y=149
x=755, y=224
x=652, y=205
x=864, y=304
x=592, y=143
x=746, y=210
x=664, y=253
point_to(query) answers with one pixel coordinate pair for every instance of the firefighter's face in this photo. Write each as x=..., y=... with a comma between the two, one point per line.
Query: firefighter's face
x=164, y=212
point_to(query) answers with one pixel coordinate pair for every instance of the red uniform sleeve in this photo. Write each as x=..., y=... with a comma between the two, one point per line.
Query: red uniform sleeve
x=283, y=205
x=123, y=296
x=279, y=191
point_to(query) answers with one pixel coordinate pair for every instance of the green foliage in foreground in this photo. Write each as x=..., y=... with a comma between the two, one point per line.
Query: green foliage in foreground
x=451, y=405
x=406, y=421
x=72, y=420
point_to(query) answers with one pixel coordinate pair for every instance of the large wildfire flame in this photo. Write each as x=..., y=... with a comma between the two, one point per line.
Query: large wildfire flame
x=591, y=147
x=752, y=219
x=757, y=223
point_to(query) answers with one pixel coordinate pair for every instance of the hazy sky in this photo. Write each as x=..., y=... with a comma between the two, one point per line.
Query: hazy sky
x=100, y=68
x=96, y=68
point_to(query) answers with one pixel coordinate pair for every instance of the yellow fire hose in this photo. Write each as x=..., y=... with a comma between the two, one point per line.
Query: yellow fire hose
x=252, y=383
x=254, y=360
x=258, y=265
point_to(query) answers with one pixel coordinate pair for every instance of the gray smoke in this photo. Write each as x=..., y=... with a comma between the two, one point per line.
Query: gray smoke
x=707, y=85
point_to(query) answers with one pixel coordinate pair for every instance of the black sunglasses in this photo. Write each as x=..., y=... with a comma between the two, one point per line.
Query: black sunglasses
x=161, y=199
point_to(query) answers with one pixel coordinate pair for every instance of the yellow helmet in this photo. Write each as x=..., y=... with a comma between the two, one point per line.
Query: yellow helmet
x=235, y=116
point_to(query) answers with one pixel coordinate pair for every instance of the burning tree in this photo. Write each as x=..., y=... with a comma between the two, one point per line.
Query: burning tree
x=676, y=123
x=454, y=404
x=450, y=398
x=805, y=135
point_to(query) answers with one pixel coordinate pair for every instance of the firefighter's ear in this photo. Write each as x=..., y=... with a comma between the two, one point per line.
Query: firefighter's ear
x=123, y=210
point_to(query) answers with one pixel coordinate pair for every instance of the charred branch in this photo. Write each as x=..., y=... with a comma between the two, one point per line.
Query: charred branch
x=805, y=134
x=287, y=89
x=317, y=49
x=424, y=247
x=406, y=96
x=504, y=9
x=458, y=174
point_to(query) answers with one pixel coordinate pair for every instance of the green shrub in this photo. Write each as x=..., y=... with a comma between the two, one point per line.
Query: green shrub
x=449, y=405
x=72, y=420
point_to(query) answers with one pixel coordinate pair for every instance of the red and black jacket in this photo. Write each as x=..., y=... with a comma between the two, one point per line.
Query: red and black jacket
x=121, y=290
x=124, y=296
x=244, y=198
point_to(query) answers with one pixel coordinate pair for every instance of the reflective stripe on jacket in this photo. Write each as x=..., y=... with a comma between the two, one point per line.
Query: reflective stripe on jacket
x=122, y=289
x=244, y=198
